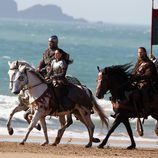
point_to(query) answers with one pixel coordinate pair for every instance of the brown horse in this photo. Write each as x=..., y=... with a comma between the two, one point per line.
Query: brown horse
x=116, y=79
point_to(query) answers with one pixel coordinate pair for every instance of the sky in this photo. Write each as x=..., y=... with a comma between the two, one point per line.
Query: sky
x=108, y=11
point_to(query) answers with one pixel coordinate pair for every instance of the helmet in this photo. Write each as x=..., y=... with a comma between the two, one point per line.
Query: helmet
x=53, y=38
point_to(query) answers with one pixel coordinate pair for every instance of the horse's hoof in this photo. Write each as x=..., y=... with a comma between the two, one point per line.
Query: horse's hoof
x=53, y=144
x=141, y=134
x=131, y=147
x=100, y=146
x=96, y=140
x=43, y=144
x=22, y=143
x=88, y=145
x=38, y=127
x=11, y=131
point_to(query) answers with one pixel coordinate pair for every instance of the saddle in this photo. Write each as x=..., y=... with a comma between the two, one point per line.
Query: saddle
x=80, y=95
x=72, y=93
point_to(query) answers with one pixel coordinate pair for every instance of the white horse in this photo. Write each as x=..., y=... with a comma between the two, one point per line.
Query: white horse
x=23, y=104
x=41, y=99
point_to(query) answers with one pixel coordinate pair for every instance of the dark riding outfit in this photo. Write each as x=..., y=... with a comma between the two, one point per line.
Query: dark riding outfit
x=145, y=77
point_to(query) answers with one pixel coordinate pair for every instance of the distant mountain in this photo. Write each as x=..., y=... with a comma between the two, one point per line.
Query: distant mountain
x=8, y=9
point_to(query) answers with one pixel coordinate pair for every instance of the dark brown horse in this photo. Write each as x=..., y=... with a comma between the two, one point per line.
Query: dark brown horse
x=116, y=79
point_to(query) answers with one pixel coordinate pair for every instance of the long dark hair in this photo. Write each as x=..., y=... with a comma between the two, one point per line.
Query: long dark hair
x=65, y=56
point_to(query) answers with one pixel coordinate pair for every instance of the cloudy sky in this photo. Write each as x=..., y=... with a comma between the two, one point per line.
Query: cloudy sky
x=113, y=11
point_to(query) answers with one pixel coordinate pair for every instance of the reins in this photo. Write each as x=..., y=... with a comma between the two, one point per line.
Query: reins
x=34, y=86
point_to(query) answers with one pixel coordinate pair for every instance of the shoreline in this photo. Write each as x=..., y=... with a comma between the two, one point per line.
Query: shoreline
x=112, y=142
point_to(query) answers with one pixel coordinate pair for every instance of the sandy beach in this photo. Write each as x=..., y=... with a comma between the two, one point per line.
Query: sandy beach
x=72, y=150
x=14, y=150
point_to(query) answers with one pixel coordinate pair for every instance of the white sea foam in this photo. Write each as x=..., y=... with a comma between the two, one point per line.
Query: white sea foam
x=5, y=57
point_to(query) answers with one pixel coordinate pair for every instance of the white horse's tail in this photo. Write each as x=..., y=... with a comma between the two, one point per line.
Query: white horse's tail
x=100, y=112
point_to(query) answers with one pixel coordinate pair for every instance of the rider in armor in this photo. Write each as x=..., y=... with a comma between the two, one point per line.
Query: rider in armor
x=48, y=55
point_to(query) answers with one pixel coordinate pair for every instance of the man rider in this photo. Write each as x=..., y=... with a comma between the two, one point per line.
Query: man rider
x=144, y=75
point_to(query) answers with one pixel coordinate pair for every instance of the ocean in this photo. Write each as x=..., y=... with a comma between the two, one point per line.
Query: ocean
x=89, y=45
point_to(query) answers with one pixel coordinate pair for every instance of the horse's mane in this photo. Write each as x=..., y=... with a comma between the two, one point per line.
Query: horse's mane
x=123, y=70
x=15, y=64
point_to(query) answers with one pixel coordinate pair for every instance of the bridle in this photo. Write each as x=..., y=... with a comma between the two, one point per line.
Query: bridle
x=31, y=87
x=25, y=87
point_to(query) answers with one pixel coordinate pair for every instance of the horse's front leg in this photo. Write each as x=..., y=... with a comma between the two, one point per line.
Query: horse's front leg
x=64, y=125
x=15, y=110
x=28, y=117
x=139, y=127
x=130, y=133
x=113, y=127
x=36, y=117
x=44, y=126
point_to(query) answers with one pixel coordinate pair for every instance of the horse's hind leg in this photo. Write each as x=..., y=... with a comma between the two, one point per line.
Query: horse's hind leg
x=130, y=133
x=78, y=116
x=64, y=125
x=113, y=127
x=156, y=128
x=155, y=116
x=84, y=116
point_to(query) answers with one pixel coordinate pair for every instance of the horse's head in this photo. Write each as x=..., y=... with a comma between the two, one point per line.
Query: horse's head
x=102, y=83
x=18, y=77
x=14, y=68
x=113, y=79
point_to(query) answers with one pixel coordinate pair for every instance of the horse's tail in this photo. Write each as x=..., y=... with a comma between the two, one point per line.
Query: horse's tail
x=100, y=112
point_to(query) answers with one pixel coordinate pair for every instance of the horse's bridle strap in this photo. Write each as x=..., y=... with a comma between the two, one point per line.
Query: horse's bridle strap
x=34, y=86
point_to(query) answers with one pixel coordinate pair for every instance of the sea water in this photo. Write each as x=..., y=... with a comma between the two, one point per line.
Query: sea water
x=89, y=45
